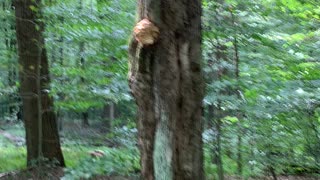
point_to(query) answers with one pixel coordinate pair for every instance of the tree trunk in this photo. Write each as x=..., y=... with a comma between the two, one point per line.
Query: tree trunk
x=111, y=111
x=218, y=149
x=166, y=80
x=59, y=117
x=214, y=118
x=273, y=173
x=218, y=152
x=108, y=115
x=85, y=119
x=239, y=114
x=41, y=129
x=60, y=95
x=85, y=115
x=239, y=153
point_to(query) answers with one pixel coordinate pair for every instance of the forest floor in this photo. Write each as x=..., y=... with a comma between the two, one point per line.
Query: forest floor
x=57, y=173
x=14, y=139
x=13, y=153
x=77, y=144
x=278, y=178
x=49, y=174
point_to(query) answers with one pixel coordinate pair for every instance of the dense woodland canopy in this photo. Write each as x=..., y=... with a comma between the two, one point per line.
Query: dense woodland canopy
x=259, y=64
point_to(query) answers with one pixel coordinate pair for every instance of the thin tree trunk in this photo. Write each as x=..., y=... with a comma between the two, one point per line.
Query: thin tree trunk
x=219, y=114
x=111, y=111
x=59, y=120
x=273, y=173
x=40, y=123
x=85, y=119
x=239, y=154
x=85, y=115
x=239, y=143
x=106, y=116
x=109, y=114
x=61, y=95
x=239, y=116
x=217, y=150
x=166, y=81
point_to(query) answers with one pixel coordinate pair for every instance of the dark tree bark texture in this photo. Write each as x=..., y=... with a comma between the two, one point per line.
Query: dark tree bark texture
x=166, y=80
x=40, y=121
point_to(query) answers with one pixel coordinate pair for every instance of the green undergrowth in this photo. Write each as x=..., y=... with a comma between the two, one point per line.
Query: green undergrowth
x=229, y=167
x=13, y=158
x=123, y=162
x=79, y=162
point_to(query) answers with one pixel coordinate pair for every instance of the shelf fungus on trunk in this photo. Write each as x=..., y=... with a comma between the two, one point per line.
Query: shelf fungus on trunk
x=145, y=32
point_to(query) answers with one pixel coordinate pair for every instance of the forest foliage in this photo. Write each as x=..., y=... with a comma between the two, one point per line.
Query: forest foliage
x=261, y=67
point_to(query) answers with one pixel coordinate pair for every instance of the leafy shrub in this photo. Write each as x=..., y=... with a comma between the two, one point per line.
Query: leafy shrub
x=115, y=162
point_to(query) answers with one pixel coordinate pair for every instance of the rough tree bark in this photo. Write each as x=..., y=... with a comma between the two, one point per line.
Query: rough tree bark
x=166, y=80
x=40, y=121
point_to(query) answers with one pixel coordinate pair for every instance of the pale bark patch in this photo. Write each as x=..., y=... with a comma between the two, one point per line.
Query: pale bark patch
x=184, y=59
x=163, y=148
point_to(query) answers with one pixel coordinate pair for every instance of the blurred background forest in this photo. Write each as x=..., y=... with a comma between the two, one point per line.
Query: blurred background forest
x=262, y=72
